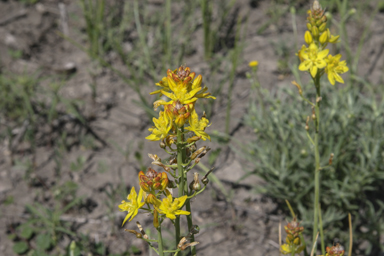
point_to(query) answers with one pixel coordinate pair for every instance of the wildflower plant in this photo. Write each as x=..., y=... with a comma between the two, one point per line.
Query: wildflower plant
x=316, y=60
x=178, y=128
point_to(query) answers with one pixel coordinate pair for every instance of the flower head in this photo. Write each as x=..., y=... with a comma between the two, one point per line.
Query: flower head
x=198, y=126
x=334, y=68
x=153, y=180
x=181, y=85
x=162, y=127
x=133, y=206
x=336, y=250
x=253, y=64
x=313, y=59
x=171, y=207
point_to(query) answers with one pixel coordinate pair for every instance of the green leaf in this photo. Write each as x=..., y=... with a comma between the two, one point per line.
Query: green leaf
x=26, y=232
x=43, y=241
x=20, y=247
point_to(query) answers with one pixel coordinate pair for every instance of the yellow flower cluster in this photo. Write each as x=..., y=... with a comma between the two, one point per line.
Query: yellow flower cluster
x=315, y=58
x=183, y=89
x=293, y=243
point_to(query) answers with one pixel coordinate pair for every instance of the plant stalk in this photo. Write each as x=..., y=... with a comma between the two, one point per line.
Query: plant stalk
x=317, y=158
x=180, y=149
x=160, y=241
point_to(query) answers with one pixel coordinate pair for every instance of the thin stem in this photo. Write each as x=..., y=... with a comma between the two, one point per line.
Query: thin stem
x=317, y=158
x=182, y=177
x=321, y=232
x=160, y=241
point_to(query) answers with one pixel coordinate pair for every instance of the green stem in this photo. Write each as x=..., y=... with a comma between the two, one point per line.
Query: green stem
x=317, y=158
x=321, y=232
x=160, y=243
x=182, y=177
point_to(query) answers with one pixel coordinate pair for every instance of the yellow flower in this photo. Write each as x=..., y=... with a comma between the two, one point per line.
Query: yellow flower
x=285, y=249
x=253, y=64
x=133, y=206
x=197, y=126
x=334, y=68
x=181, y=85
x=313, y=59
x=171, y=207
x=162, y=126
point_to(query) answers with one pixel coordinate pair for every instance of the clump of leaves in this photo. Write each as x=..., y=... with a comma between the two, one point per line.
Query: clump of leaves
x=352, y=130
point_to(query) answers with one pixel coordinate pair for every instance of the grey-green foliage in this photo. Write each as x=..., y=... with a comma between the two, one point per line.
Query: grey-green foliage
x=352, y=127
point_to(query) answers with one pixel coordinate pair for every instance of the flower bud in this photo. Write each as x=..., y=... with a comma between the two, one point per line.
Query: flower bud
x=319, y=23
x=331, y=159
x=323, y=27
x=308, y=37
x=151, y=199
x=309, y=26
x=72, y=247
x=296, y=241
x=323, y=38
x=155, y=219
x=334, y=39
x=315, y=31
x=289, y=238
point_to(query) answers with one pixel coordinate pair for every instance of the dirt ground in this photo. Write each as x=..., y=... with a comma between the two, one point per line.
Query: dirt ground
x=245, y=225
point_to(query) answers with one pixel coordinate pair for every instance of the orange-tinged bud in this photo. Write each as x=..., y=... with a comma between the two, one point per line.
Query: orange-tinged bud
x=175, y=77
x=144, y=186
x=180, y=121
x=155, y=219
x=151, y=199
x=308, y=37
x=192, y=75
x=187, y=80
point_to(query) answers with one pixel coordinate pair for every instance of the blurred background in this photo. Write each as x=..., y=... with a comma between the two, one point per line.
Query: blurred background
x=75, y=108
